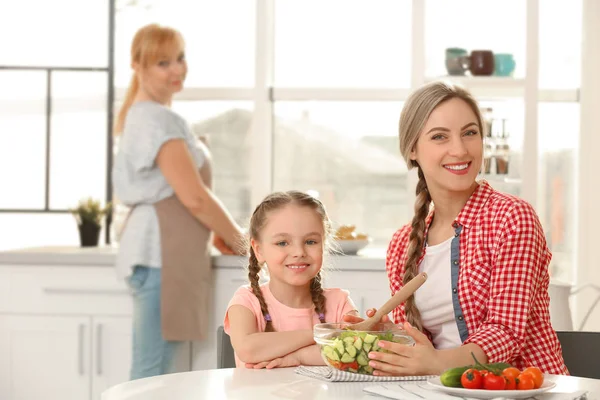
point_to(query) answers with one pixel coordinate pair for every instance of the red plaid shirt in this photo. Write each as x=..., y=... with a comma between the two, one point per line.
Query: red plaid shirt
x=502, y=283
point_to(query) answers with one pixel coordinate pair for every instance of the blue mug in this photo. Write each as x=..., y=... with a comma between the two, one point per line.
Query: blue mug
x=504, y=64
x=457, y=60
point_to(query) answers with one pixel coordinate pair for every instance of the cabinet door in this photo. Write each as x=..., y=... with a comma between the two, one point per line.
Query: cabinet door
x=368, y=289
x=44, y=357
x=111, y=352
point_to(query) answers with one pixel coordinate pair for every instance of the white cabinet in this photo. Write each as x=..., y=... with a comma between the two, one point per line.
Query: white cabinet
x=44, y=357
x=65, y=332
x=68, y=329
x=110, y=352
x=368, y=289
x=65, y=357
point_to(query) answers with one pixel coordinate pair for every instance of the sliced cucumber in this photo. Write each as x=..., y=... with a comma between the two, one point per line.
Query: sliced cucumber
x=375, y=345
x=367, y=347
x=350, y=349
x=346, y=358
x=358, y=343
x=362, y=359
x=349, y=340
x=339, y=346
x=370, y=338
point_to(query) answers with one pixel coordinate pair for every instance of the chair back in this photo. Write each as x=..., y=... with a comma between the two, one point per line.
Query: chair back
x=225, y=353
x=581, y=352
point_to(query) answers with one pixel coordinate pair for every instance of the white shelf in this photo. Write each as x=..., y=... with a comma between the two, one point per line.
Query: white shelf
x=482, y=81
x=488, y=86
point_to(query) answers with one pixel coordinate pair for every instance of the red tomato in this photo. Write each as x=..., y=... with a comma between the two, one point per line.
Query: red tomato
x=536, y=374
x=510, y=375
x=483, y=372
x=493, y=382
x=335, y=364
x=344, y=366
x=471, y=379
x=511, y=383
x=511, y=372
x=525, y=382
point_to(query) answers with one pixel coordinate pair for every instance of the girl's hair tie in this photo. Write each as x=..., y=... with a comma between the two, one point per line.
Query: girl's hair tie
x=268, y=317
x=321, y=317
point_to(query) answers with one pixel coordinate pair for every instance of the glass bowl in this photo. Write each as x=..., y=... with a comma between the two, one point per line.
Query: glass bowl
x=348, y=350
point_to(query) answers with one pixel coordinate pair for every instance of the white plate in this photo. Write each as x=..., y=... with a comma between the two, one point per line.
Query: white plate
x=351, y=247
x=490, y=394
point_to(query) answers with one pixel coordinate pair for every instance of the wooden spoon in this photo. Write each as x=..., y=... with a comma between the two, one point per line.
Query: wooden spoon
x=394, y=301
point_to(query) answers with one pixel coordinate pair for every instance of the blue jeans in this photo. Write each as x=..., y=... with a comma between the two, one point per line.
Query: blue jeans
x=152, y=355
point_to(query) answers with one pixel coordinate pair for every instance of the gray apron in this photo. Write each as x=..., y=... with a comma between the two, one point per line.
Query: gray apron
x=186, y=299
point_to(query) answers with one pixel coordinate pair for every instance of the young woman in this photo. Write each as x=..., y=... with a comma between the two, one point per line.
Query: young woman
x=484, y=252
x=164, y=175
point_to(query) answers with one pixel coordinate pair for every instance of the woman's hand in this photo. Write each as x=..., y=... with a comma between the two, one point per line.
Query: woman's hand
x=421, y=359
x=220, y=245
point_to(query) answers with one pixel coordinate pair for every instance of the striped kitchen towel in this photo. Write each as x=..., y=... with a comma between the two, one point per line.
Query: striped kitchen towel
x=334, y=375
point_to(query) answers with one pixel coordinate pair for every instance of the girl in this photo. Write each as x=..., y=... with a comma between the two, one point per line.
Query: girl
x=271, y=324
x=164, y=175
x=484, y=252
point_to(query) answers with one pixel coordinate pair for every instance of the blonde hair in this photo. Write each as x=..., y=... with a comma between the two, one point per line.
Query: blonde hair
x=148, y=46
x=276, y=201
x=414, y=115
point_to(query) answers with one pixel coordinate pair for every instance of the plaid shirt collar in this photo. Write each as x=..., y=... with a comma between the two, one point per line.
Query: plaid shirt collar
x=472, y=208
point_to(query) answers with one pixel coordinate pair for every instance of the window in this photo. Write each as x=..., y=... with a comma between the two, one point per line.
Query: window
x=22, y=139
x=225, y=125
x=53, y=117
x=499, y=26
x=560, y=44
x=66, y=33
x=557, y=208
x=329, y=108
x=219, y=38
x=347, y=154
x=337, y=43
x=78, y=140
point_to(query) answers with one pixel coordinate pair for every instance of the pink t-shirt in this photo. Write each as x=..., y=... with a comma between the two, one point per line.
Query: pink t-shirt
x=284, y=318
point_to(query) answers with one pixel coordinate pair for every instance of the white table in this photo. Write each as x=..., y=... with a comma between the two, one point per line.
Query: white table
x=281, y=383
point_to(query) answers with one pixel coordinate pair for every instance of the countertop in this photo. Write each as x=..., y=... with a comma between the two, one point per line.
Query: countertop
x=280, y=383
x=366, y=260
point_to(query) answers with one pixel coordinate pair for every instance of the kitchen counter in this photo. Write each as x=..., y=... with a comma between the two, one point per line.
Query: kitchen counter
x=367, y=260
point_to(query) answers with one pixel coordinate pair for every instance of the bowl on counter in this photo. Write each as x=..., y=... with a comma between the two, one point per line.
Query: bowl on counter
x=352, y=246
x=348, y=350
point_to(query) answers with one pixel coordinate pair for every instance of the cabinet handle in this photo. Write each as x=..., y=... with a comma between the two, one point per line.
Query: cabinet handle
x=81, y=350
x=99, y=349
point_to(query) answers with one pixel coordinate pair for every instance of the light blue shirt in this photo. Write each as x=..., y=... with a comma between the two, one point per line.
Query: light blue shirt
x=139, y=183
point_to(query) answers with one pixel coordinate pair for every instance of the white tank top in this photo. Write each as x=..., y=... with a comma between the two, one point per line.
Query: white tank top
x=434, y=298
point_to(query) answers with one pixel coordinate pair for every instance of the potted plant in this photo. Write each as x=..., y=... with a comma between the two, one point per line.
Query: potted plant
x=89, y=214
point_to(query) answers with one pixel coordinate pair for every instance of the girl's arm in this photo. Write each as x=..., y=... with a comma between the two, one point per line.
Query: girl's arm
x=252, y=346
x=177, y=165
x=309, y=355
